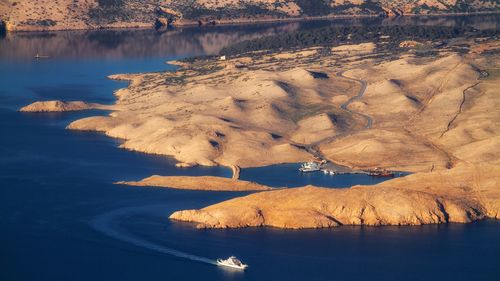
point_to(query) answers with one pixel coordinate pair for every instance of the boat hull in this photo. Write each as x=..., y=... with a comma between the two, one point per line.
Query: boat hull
x=222, y=263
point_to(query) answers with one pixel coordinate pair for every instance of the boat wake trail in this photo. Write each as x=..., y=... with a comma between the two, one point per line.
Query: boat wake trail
x=109, y=224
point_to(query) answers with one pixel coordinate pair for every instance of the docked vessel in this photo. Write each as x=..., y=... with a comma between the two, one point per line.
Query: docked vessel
x=232, y=262
x=310, y=167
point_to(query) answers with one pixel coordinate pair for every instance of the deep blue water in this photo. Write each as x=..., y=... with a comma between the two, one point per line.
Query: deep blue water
x=61, y=218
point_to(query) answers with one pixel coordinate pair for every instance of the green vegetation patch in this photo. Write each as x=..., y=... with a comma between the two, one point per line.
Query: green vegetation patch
x=45, y=22
x=110, y=3
x=493, y=74
x=461, y=6
x=314, y=7
x=335, y=35
x=109, y=11
x=323, y=7
x=244, y=10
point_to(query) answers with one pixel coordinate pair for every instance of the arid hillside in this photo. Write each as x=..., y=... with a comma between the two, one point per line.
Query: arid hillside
x=89, y=14
x=428, y=106
x=434, y=115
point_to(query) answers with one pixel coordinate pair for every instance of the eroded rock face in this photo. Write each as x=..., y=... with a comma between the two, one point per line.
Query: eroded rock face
x=425, y=198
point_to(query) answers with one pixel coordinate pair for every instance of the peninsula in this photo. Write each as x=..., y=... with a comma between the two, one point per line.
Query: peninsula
x=430, y=107
x=62, y=106
x=198, y=183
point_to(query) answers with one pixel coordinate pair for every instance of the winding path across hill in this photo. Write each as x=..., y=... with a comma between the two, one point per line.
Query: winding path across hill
x=345, y=105
x=312, y=148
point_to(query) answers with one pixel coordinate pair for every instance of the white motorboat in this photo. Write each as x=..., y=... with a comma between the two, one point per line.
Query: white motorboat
x=232, y=262
x=310, y=167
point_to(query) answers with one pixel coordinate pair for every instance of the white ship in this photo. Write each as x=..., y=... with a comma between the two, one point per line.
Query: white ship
x=327, y=172
x=310, y=167
x=232, y=262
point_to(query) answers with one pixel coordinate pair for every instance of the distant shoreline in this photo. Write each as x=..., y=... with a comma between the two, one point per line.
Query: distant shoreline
x=193, y=23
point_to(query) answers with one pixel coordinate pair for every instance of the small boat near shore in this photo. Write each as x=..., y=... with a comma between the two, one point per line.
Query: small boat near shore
x=232, y=262
x=38, y=56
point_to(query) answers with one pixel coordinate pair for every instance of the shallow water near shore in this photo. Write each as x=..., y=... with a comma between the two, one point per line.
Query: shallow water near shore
x=61, y=218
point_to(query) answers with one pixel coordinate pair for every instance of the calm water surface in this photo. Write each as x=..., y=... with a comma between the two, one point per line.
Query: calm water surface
x=61, y=218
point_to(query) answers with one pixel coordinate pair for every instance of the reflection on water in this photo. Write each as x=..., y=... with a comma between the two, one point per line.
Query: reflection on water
x=115, y=44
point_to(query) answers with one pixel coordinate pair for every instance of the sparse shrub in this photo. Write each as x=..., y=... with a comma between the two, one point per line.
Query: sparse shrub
x=45, y=22
x=108, y=3
x=328, y=36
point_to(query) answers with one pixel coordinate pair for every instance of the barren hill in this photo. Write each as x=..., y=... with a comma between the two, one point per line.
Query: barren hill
x=431, y=111
x=435, y=116
x=87, y=14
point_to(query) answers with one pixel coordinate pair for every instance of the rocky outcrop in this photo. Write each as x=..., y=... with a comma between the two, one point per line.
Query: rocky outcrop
x=460, y=195
x=166, y=17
